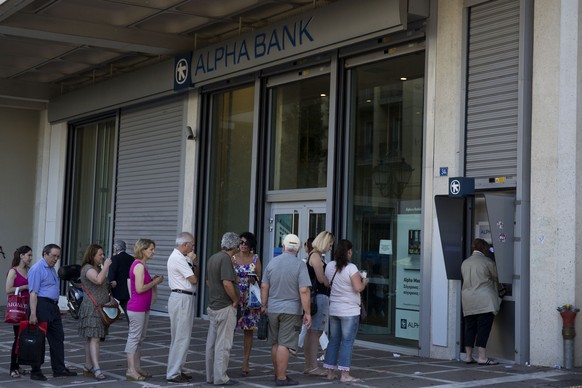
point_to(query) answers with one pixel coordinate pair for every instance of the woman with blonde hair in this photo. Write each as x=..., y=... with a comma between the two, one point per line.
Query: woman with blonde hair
x=316, y=268
x=91, y=327
x=142, y=290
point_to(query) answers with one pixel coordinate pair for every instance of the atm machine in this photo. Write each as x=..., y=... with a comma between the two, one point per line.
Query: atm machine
x=464, y=215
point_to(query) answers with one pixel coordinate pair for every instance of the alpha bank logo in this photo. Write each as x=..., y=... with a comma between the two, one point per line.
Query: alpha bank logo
x=404, y=324
x=182, y=78
x=181, y=71
x=455, y=187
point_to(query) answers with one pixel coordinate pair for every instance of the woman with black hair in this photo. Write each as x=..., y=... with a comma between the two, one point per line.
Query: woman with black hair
x=247, y=266
x=344, y=311
x=18, y=278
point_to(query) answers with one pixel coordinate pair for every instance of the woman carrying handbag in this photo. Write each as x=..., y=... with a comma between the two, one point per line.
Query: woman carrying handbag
x=91, y=326
x=18, y=278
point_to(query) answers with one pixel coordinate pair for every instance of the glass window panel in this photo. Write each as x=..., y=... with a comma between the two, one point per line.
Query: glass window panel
x=284, y=224
x=300, y=123
x=384, y=193
x=91, y=197
x=230, y=164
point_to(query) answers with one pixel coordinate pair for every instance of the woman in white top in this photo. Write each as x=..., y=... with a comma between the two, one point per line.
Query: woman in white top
x=344, y=311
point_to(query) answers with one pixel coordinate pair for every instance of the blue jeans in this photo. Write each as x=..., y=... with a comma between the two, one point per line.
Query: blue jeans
x=342, y=334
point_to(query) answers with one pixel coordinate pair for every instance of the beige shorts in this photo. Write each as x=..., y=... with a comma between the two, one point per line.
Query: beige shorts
x=284, y=330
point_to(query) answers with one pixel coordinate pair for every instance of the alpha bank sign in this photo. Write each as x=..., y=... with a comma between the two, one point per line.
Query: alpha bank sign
x=341, y=23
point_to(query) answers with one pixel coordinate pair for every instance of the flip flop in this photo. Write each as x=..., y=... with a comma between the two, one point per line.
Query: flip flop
x=489, y=361
x=471, y=362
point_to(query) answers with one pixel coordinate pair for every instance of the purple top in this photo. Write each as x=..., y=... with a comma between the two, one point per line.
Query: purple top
x=139, y=302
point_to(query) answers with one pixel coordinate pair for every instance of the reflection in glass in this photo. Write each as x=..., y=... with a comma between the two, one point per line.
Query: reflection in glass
x=230, y=164
x=284, y=224
x=300, y=123
x=91, y=195
x=384, y=192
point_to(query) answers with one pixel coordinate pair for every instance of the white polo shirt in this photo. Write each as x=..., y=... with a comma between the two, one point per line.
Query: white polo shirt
x=179, y=271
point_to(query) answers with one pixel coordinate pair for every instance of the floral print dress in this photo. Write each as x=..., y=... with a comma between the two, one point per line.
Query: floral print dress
x=249, y=318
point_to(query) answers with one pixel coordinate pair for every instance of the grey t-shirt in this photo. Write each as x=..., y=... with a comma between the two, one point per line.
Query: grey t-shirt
x=285, y=275
x=219, y=268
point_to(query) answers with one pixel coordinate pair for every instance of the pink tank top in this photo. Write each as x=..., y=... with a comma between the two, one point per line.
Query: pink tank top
x=139, y=302
x=20, y=281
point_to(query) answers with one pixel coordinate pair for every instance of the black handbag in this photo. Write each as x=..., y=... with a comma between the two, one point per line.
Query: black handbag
x=31, y=345
x=313, y=297
x=263, y=327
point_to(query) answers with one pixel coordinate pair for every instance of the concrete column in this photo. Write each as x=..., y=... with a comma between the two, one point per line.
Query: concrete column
x=443, y=148
x=554, y=203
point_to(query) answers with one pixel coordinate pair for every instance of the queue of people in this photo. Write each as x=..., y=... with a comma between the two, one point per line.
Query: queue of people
x=284, y=284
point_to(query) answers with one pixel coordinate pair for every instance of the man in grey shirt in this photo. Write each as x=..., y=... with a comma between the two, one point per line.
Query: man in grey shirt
x=285, y=296
x=223, y=297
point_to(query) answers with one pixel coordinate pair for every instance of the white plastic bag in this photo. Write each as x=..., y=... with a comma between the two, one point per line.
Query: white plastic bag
x=254, y=296
x=302, y=335
x=323, y=341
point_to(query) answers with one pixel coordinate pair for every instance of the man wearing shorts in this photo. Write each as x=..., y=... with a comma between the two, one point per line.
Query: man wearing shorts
x=285, y=289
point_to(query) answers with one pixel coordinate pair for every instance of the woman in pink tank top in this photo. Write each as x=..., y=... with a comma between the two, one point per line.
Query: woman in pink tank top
x=142, y=290
x=18, y=278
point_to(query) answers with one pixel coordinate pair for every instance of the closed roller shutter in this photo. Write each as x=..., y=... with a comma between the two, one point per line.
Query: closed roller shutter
x=492, y=90
x=148, y=182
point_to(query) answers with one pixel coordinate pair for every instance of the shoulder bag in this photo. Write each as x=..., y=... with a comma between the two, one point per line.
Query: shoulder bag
x=109, y=311
x=313, y=292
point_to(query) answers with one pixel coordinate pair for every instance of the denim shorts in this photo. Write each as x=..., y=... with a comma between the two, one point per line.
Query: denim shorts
x=320, y=319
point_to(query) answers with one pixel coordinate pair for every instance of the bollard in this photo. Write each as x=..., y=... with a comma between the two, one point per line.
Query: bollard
x=568, y=313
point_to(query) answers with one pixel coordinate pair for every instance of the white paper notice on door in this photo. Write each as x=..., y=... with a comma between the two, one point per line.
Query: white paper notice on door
x=385, y=247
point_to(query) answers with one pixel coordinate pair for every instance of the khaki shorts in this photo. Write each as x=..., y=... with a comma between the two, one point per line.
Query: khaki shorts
x=284, y=330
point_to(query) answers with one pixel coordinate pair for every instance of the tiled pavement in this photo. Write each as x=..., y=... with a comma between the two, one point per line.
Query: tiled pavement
x=375, y=367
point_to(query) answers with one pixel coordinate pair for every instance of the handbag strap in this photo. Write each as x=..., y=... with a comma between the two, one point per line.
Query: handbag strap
x=333, y=277
x=86, y=291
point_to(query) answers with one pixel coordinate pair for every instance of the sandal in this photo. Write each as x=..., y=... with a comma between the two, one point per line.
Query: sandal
x=315, y=372
x=244, y=373
x=134, y=376
x=14, y=374
x=22, y=372
x=98, y=374
x=489, y=361
x=88, y=372
x=144, y=373
x=350, y=379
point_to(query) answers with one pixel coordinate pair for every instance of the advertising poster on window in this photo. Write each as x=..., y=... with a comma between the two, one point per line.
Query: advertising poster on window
x=408, y=276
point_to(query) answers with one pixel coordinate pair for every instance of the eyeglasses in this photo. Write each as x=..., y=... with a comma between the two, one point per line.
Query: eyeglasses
x=243, y=242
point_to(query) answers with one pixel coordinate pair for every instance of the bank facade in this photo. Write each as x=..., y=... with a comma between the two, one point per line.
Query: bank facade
x=354, y=117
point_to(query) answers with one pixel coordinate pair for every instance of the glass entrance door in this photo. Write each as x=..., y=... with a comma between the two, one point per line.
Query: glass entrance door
x=302, y=219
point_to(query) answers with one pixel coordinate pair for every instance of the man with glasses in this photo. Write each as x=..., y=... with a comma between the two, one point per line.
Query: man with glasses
x=183, y=275
x=223, y=297
x=43, y=285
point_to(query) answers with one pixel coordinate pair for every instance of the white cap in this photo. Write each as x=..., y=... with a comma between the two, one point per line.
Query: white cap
x=291, y=240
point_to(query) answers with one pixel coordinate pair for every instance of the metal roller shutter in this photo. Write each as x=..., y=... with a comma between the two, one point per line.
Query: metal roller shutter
x=492, y=90
x=148, y=182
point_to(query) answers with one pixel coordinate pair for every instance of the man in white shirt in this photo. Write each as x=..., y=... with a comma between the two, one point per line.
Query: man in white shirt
x=183, y=275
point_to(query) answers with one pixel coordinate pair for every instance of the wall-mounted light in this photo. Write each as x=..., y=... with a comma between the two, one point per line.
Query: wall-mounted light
x=190, y=135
